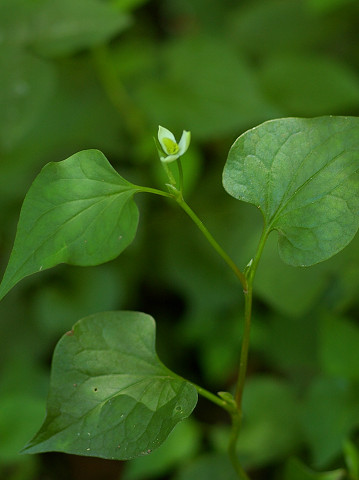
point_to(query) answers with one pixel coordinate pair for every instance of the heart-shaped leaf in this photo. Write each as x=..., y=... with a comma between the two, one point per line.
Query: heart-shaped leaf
x=303, y=175
x=79, y=211
x=110, y=396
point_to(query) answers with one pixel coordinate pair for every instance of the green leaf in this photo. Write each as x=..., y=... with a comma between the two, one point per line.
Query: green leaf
x=295, y=470
x=110, y=396
x=303, y=175
x=79, y=211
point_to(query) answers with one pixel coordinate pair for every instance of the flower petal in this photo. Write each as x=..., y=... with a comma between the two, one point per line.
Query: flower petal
x=184, y=142
x=169, y=158
x=164, y=133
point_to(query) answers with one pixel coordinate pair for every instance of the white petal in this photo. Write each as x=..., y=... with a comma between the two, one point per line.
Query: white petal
x=164, y=133
x=184, y=142
x=169, y=158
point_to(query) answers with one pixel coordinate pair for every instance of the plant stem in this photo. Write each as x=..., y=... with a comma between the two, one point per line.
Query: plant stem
x=247, y=320
x=211, y=396
x=246, y=280
x=212, y=241
x=232, y=453
x=237, y=418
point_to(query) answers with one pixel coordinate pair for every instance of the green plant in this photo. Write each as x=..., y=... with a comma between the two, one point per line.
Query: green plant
x=110, y=396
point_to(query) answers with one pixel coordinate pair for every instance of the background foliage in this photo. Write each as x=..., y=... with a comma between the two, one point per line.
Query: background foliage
x=103, y=74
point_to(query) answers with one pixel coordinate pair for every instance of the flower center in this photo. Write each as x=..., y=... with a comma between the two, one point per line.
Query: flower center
x=171, y=146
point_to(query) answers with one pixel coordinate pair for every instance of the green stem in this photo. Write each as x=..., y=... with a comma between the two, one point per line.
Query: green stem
x=212, y=241
x=247, y=320
x=246, y=280
x=232, y=451
x=180, y=174
x=211, y=397
x=237, y=418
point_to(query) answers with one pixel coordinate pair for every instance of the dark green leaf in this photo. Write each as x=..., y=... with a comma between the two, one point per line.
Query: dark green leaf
x=110, y=396
x=79, y=211
x=303, y=175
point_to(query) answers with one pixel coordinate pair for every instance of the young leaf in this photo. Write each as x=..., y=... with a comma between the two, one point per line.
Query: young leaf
x=79, y=211
x=303, y=175
x=110, y=396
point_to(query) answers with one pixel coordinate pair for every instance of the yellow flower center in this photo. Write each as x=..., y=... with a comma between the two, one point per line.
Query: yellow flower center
x=171, y=146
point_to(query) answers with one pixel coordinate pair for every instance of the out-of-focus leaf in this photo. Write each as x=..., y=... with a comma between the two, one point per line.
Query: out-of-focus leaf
x=330, y=414
x=60, y=302
x=206, y=467
x=62, y=27
x=288, y=290
x=287, y=344
x=110, y=396
x=26, y=85
x=339, y=347
x=325, y=6
x=295, y=470
x=307, y=85
x=266, y=26
x=303, y=175
x=270, y=424
x=351, y=454
x=79, y=211
x=20, y=415
x=209, y=88
x=181, y=445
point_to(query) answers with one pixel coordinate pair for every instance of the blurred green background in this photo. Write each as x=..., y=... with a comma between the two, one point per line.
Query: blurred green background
x=78, y=74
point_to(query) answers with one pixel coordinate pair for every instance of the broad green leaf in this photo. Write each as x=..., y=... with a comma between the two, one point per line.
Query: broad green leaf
x=110, y=396
x=295, y=470
x=79, y=211
x=303, y=176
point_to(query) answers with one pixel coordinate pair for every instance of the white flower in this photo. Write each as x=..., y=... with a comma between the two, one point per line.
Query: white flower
x=170, y=147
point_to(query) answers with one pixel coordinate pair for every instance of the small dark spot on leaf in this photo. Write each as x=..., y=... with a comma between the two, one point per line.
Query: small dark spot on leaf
x=95, y=389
